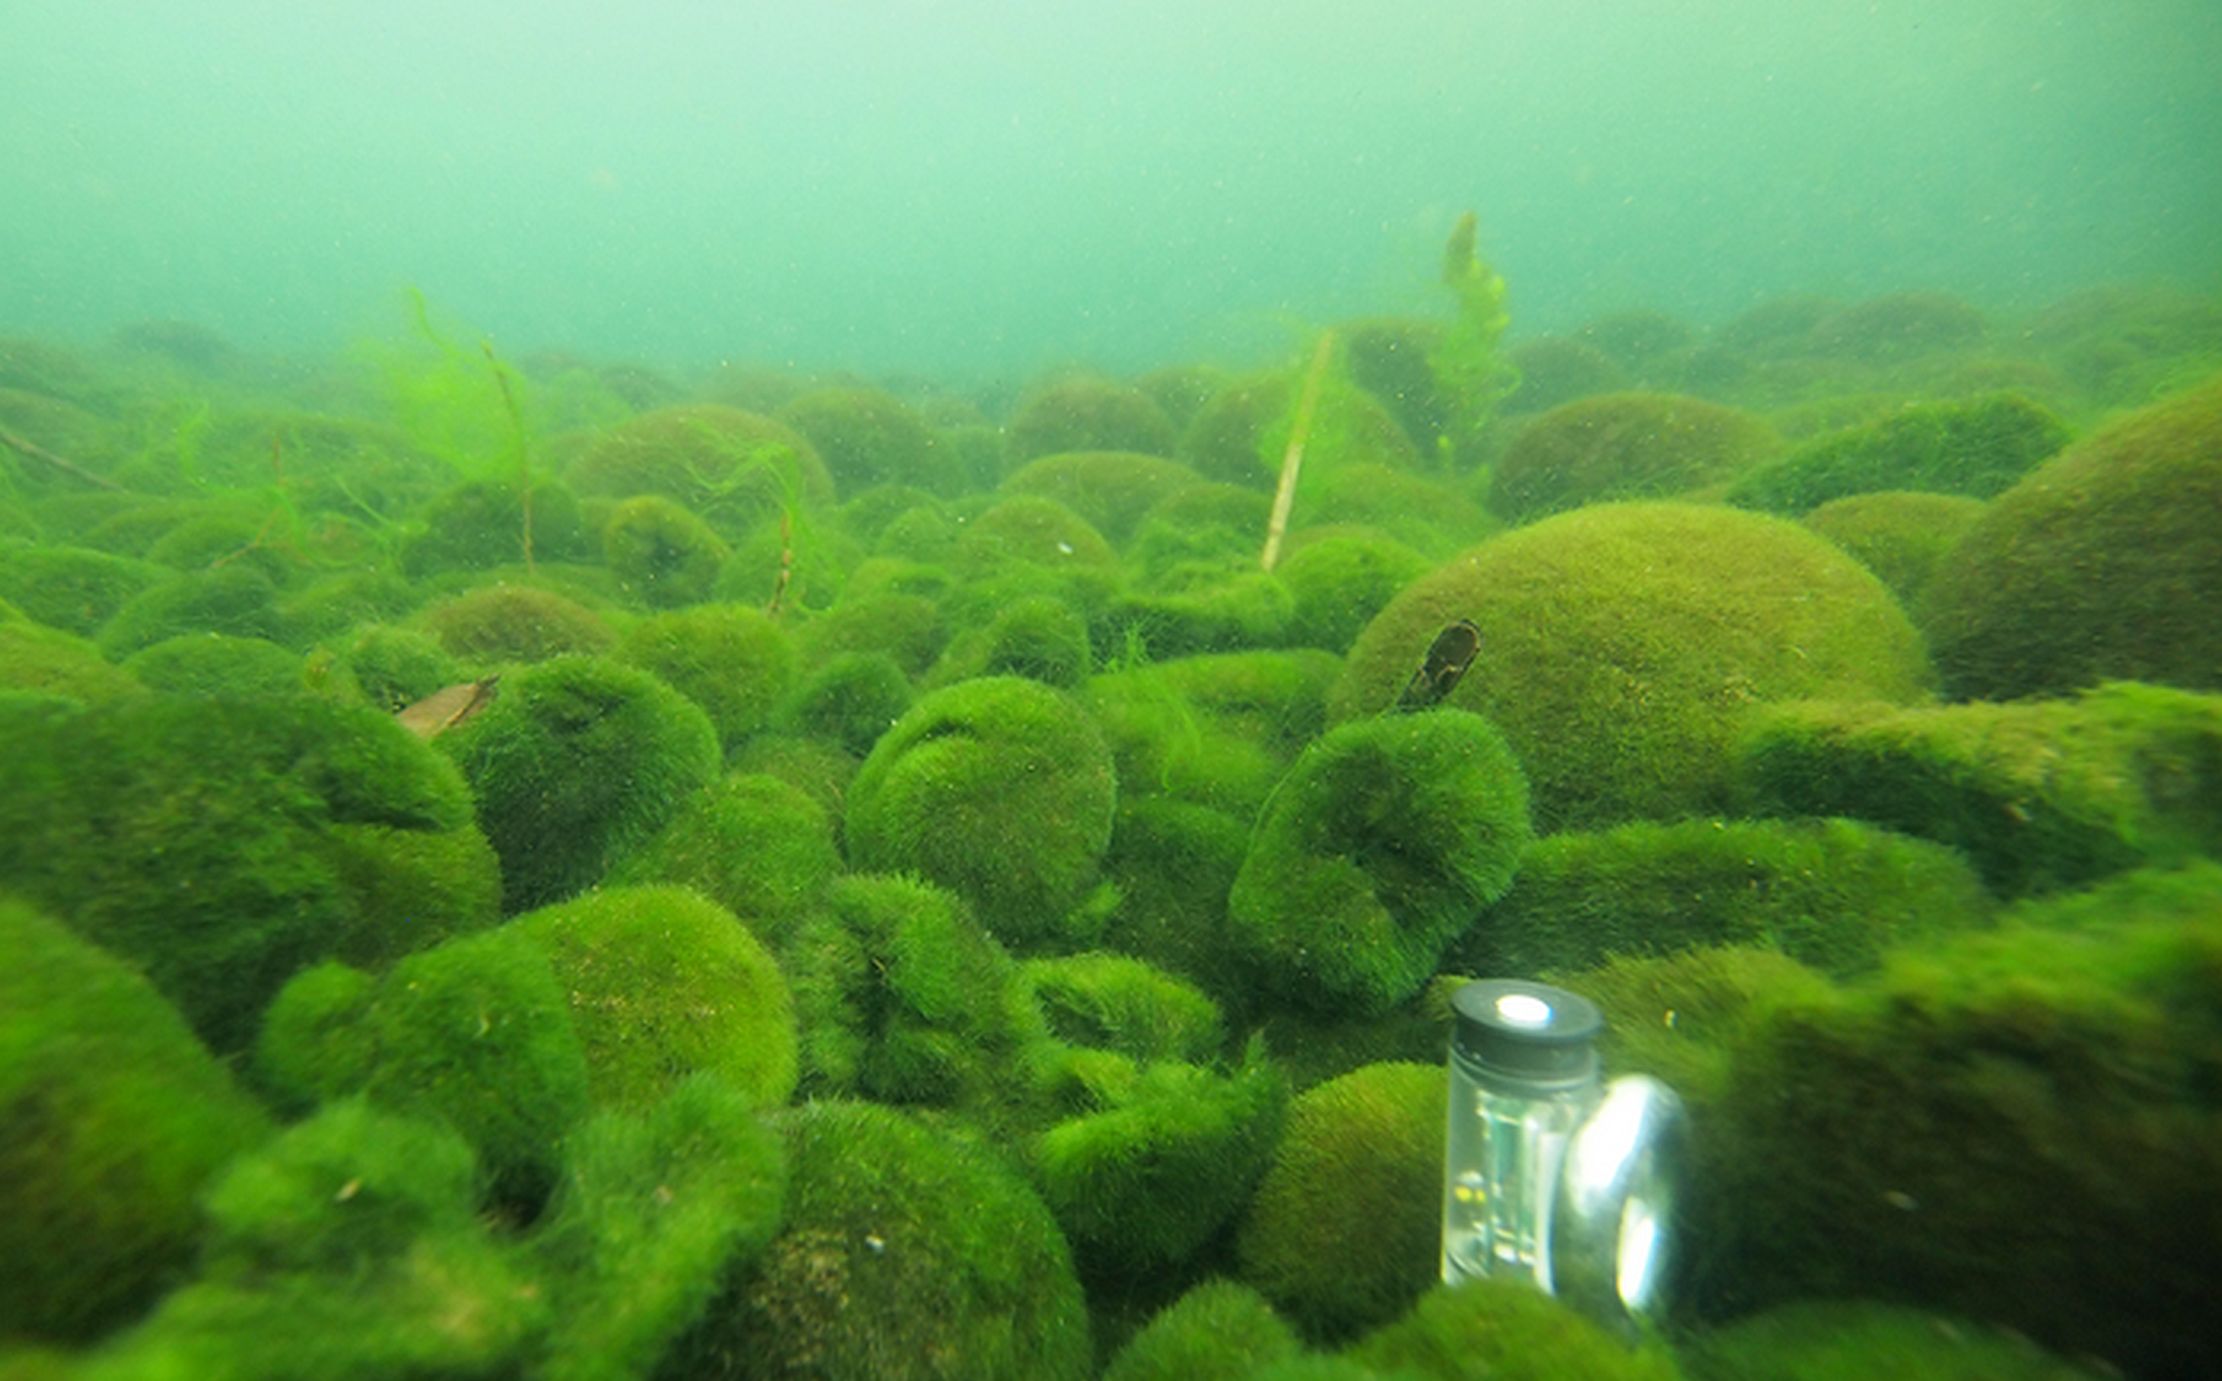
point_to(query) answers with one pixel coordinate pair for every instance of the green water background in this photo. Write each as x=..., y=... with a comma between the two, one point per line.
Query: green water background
x=974, y=186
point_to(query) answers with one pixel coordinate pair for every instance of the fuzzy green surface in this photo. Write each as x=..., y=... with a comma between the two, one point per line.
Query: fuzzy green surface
x=1160, y=1159
x=221, y=844
x=1505, y=1331
x=1118, y=1002
x=1000, y=789
x=1345, y=1231
x=868, y=436
x=757, y=846
x=904, y=998
x=1083, y=412
x=1432, y=514
x=1976, y=447
x=1830, y=893
x=1219, y=1331
x=233, y=599
x=577, y=761
x=662, y=555
x=114, y=1118
x=1853, y=1341
x=1973, y=1127
x=2040, y=794
x=726, y=465
x=1623, y=646
x=662, y=983
x=481, y=523
x=1899, y=536
x=886, y=622
x=1240, y=435
x=653, y=1211
x=905, y=1254
x=1341, y=580
x=730, y=659
x=1624, y=446
x=1173, y=863
x=74, y=589
x=473, y=1032
x=514, y=623
x=396, y=667
x=2105, y=562
x=1209, y=612
x=1110, y=490
x=850, y=701
x=1027, y=544
x=1214, y=729
x=1377, y=850
x=47, y=661
x=217, y=664
x=1039, y=637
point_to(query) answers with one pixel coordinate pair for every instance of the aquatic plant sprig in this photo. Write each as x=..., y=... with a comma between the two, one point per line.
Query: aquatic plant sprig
x=1469, y=367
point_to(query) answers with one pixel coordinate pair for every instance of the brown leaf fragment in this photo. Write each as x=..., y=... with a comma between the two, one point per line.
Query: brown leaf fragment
x=447, y=707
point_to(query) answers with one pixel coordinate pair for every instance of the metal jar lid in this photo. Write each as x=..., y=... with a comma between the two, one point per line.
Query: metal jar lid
x=1530, y=1033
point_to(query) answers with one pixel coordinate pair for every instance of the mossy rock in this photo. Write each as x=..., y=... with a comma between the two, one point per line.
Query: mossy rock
x=662, y=555
x=1970, y=1128
x=1624, y=446
x=757, y=846
x=905, y=1254
x=1830, y=893
x=1506, y=1330
x=1345, y=1231
x=221, y=844
x=1379, y=848
x=1846, y=1340
x=731, y=660
x=577, y=761
x=664, y=983
x=514, y=623
x=1087, y=412
x=116, y=1118
x=868, y=436
x=1902, y=537
x=999, y=789
x=2105, y=562
x=1624, y=645
x=217, y=664
x=729, y=466
x=2039, y=794
x=1976, y=448
x=75, y=589
x=1221, y=1330
x=1110, y=490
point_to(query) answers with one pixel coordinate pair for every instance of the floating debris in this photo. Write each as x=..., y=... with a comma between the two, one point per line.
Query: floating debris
x=447, y=707
x=1447, y=659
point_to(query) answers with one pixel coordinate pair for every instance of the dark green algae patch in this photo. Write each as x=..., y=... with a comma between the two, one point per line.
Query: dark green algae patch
x=912, y=896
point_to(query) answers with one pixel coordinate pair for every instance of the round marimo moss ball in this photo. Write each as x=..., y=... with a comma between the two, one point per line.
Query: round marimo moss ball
x=999, y=789
x=1345, y=1231
x=1624, y=446
x=514, y=623
x=661, y=554
x=726, y=465
x=217, y=664
x=2104, y=563
x=761, y=847
x=1087, y=412
x=869, y=436
x=905, y=1254
x=665, y=983
x=115, y=1118
x=1622, y=646
x=1900, y=535
x=730, y=659
x=577, y=760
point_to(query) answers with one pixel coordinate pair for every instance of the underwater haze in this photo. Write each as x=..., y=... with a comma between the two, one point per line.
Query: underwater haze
x=964, y=186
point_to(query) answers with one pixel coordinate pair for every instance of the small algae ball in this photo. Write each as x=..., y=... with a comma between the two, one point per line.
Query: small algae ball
x=1085, y=412
x=1829, y=1340
x=760, y=847
x=999, y=789
x=1902, y=537
x=905, y=1254
x=47, y=661
x=728, y=466
x=1111, y=490
x=662, y=983
x=229, y=599
x=483, y=523
x=1117, y=1002
x=2105, y=562
x=1975, y=448
x=661, y=554
x=1505, y=1330
x=221, y=844
x=1338, y=582
x=1623, y=646
x=514, y=623
x=114, y=1118
x=1346, y=1230
x=396, y=667
x=1039, y=637
x=730, y=659
x=578, y=760
x=850, y=701
x=1380, y=846
x=870, y=437
x=1220, y=1331
x=74, y=589
x=1624, y=446
x=217, y=664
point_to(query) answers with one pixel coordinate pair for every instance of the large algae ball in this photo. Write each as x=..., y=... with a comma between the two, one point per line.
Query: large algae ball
x=1380, y=846
x=219, y=845
x=726, y=465
x=578, y=760
x=1624, y=446
x=1622, y=646
x=1085, y=412
x=2105, y=562
x=114, y=1118
x=999, y=789
x=905, y=1254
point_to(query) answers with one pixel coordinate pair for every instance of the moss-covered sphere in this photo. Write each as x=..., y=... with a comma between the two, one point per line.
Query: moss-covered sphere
x=1623, y=645
x=727, y=465
x=1086, y=412
x=662, y=555
x=514, y=623
x=733, y=661
x=1901, y=536
x=1624, y=446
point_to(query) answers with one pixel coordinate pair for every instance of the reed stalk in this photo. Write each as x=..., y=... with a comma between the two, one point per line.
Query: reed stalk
x=1292, y=460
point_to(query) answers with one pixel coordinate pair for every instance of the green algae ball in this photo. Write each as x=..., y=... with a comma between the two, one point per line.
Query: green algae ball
x=905, y=1254
x=74, y=589
x=999, y=789
x=217, y=664
x=47, y=661
x=514, y=623
x=1345, y=1231
x=2105, y=562
x=1842, y=1340
x=1624, y=446
x=723, y=464
x=850, y=701
x=1110, y=490
x=868, y=436
x=1377, y=850
x=114, y=1118
x=221, y=844
x=731, y=660
x=662, y=983
x=1901, y=537
x=1974, y=447
x=1624, y=645
x=229, y=599
x=760, y=847
x=1506, y=1330
x=1221, y=1330
x=577, y=761
x=1087, y=412
x=661, y=554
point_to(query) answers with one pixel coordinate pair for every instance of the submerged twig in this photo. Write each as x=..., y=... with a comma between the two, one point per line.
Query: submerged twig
x=26, y=447
x=524, y=454
x=786, y=560
x=1292, y=460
